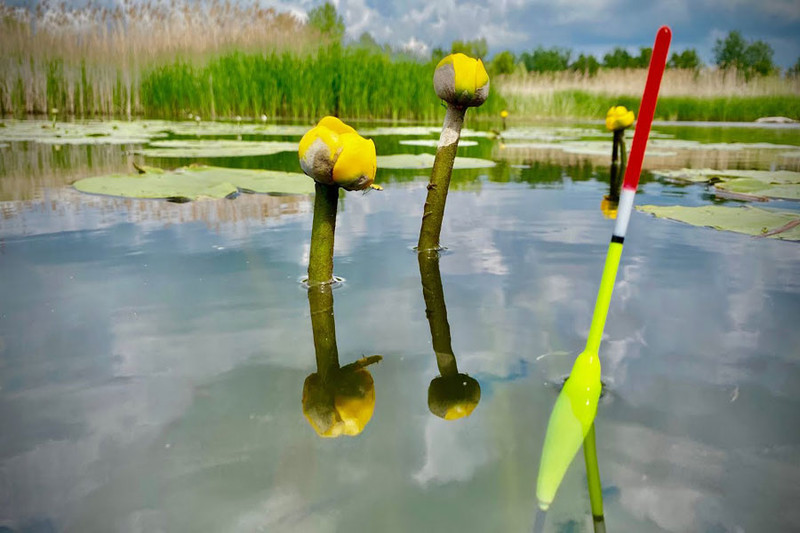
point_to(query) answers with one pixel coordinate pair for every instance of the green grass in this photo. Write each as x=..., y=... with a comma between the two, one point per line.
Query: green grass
x=583, y=104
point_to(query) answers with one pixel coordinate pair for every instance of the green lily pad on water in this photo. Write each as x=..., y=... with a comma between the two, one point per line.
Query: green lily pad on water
x=196, y=182
x=232, y=128
x=758, y=184
x=218, y=148
x=435, y=142
x=423, y=161
x=776, y=224
x=89, y=132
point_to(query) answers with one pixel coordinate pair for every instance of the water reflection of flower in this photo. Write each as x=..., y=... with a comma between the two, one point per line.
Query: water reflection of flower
x=336, y=400
x=452, y=395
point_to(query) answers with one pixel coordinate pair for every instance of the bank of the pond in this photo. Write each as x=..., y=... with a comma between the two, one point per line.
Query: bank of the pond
x=349, y=82
x=588, y=105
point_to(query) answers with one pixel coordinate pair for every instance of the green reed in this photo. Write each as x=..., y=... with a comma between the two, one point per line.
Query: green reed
x=348, y=82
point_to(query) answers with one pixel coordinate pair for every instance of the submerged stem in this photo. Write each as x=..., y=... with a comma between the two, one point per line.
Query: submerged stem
x=593, y=476
x=433, y=213
x=320, y=260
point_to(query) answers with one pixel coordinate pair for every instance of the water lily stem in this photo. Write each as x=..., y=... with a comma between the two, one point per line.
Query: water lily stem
x=320, y=261
x=436, y=311
x=320, y=301
x=433, y=213
x=593, y=476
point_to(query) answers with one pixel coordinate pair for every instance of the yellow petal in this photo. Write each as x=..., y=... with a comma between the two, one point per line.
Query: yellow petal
x=357, y=162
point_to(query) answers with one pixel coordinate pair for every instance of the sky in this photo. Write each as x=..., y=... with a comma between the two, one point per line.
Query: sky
x=593, y=26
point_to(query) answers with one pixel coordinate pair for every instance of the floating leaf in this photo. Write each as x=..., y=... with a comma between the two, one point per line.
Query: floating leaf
x=422, y=161
x=435, y=142
x=196, y=182
x=90, y=132
x=758, y=184
x=232, y=128
x=216, y=148
x=745, y=219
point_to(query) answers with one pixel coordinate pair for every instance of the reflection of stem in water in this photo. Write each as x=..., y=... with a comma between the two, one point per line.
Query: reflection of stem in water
x=451, y=395
x=593, y=480
x=436, y=311
x=320, y=260
x=320, y=300
x=617, y=170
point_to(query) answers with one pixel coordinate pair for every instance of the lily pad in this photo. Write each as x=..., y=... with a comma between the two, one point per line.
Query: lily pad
x=777, y=224
x=196, y=182
x=90, y=132
x=232, y=128
x=217, y=148
x=435, y=142
x=757, y=183
x=593, y=148
x=422, y=161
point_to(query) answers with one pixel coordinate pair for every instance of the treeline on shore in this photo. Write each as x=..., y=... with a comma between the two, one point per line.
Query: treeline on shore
x=222, y=60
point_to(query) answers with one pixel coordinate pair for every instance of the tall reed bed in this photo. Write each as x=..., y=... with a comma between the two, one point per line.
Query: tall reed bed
x=91, y=61
x=348, y=82
x=705, y=83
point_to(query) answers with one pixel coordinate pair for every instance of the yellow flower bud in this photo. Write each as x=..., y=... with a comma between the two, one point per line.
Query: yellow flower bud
x=618, y=118
x=461, y=81
x=332, y=153
x=503, y=114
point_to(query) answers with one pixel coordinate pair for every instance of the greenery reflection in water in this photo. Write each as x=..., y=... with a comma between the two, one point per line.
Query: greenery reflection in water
x=336, y=400
x=451, y=395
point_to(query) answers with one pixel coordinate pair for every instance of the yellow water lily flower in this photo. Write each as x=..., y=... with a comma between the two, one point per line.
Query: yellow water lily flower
x=503, y=114
x=618, y=118
x=461, y=80
x=332, y=153
x=342, y=406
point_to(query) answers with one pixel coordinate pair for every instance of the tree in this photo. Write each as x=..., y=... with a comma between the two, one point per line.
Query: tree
x=758, y=58
x=729, y=53
x=688, y=59
x=546, y=59
x=750, y=58
x=503, y=63
x=619, y=58
x=586, y=64
x=437, y=54
x=795, y=69
x=327, y=21
x=643, y=61
x=476, y=48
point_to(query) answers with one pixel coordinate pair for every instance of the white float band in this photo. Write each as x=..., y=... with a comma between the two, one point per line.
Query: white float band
x=624, y=212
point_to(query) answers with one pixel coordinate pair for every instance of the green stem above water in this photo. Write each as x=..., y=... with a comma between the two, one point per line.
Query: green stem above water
x=320, y=261
x=439, y=184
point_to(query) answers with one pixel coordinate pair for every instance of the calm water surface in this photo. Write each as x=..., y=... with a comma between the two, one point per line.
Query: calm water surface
x=153, y=355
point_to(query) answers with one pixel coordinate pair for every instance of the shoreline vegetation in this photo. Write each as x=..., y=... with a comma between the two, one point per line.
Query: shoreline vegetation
x=218, y=60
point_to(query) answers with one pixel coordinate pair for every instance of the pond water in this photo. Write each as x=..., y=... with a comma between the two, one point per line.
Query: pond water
x=153, y=355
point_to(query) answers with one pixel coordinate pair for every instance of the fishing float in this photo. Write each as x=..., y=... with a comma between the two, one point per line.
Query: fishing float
x=572, y=420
